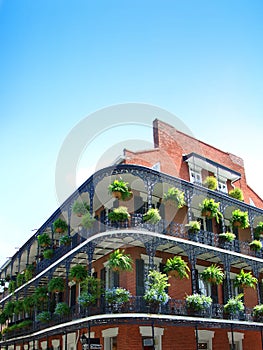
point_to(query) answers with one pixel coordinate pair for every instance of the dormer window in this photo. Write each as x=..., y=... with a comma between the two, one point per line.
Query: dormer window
x=221, y=185
x=195, y=177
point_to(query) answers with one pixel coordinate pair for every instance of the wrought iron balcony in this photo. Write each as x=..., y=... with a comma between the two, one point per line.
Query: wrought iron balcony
x=138, y=305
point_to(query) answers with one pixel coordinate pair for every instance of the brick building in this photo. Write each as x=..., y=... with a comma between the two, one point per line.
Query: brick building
x=62, y=290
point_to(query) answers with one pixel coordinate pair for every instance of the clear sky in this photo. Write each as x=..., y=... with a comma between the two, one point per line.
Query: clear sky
x=61, y=60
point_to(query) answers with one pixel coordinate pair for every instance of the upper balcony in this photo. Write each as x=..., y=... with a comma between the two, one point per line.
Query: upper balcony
x=148, y=188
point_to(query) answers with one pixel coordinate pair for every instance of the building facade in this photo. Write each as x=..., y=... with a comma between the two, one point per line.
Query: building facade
x=65, y=290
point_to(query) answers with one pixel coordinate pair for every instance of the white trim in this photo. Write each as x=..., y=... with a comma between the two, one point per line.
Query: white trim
x=110, y=332
x=206, y=336
x=146, y=331
x=238, y=337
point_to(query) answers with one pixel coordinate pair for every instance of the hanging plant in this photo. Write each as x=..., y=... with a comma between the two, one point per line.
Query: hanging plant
x=65, y=240
x=28, y=304
x=210, y=209
x=92, y=285
x=60, y=225
x=78, y=273
x=29, y=271
x=240, y=218
x=48, y=253
x=80, y=208
x=119, y=261
x=213, y=274
x=56, y=285
x=40, y=295
x=237, y=193
x=210, y=182
x=177, y=267
x=119, y=189
x=152, y=216
x=87, y=221
x=245, y=279
x=44, y=240
x=12, y=286
x=20, y=279
x=174, y=197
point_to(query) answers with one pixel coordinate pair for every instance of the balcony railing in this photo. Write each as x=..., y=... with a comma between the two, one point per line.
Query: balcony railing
x=136, y=222
x=135, y=305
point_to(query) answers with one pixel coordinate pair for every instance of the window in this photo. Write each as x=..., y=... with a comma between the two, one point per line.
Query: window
x=147, y=340
x=195, y=176
x=237, y=337
x=205, y=339
x=221, y=186
x=156, y=166
x=110, y=338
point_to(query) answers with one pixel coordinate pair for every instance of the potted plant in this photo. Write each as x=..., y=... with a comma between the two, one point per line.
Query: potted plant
x=227, y=236
x=197, y=302
x=213, y=274
x=234, y=306
x=80, y=208
x=40, y=295
x=20, y=279
x=119, y=189
x=155, y=291
x=65, y=240
x=193, y=226
x=255, y=245
x=152, y=216
x=44, y=316
x=176, y=267
x=85, y=299
x=78, y=273
x=240, y=218
x=210, y=209
x=210, y=182
x=56, y=285
x=174, y=197
x=28, y=304
x=258, y=231
x=62, y=309
x=236, y=193
x=44, y=240
x=257, y=313
x=116, y=297
x=29, y=271
x=48, y=253
x=245, y=279
x=87, y=221
x=9, y=309
x=119, y=261
x=119, y=214
x=60, y=225
x=18, y=307
x=12, y=286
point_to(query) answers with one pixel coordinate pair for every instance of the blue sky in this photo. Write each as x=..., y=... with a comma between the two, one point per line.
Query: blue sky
x=63, y=60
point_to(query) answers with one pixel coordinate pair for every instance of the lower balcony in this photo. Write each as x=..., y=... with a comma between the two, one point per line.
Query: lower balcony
x=137, y=305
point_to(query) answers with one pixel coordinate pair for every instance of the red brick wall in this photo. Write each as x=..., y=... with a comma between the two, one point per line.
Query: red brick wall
x=171, y=144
